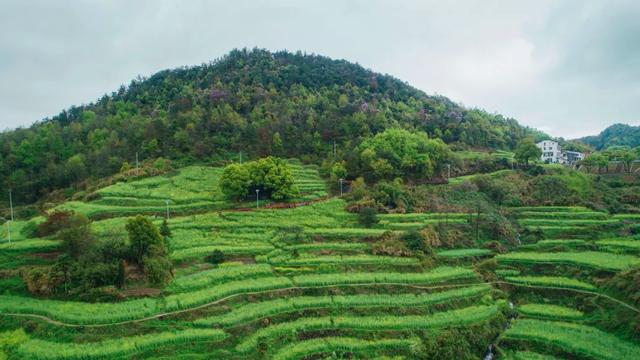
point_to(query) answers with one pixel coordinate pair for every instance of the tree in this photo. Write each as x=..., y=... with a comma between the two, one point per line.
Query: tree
x=235, y=181
x=527, y=150
x=367, y=217
x=413, y=240
x=401, y=153
x=77, y=238
x=165, y=231
x=216, y=257
x=270, y=175
x=143, y=237
x=600, y=160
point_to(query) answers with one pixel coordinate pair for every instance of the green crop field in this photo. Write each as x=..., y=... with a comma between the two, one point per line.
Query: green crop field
x=109, y=349
x=574, y=338
x=549, y=311
x=459, y=253
x=306, y=348
x=451, y=318
x=584, y=258
x=551, y=281
x=311, y=281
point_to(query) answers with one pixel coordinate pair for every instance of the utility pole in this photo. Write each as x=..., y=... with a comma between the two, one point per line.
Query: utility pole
x=11, y=221
x=167, y=202
x=257, y=198
x=477, y=222
x=448, y=171
x=240, y=157
x=341, y=180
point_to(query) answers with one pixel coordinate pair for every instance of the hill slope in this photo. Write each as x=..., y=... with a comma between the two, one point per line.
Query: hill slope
x=614, y=135
x=253, y=101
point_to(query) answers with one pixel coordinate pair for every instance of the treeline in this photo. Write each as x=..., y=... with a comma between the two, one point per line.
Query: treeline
x=261, y=103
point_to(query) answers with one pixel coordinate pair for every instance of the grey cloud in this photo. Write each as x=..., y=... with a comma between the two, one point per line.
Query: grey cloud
x=568, y=67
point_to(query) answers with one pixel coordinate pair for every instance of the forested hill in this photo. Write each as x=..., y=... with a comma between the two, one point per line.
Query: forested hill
x=614, y=135
x=254, y=101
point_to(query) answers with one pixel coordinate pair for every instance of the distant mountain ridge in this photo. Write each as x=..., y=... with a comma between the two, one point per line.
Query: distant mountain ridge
x=614, y=135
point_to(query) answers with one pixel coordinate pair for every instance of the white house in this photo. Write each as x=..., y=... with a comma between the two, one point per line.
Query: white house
x=552, y=153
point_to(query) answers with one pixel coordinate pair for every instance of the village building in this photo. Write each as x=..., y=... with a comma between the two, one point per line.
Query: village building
x=552, y=153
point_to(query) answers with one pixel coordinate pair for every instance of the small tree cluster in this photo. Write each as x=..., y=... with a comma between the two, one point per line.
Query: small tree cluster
x=148, y=249
x=271, y=176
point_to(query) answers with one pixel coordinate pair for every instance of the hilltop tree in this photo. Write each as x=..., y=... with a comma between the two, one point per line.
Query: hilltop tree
x=527, y=150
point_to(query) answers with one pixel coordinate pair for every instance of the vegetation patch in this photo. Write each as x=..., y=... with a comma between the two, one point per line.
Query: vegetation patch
x=550, y=311
x=459, y=317
x=594, y=259
x=109, y=349
x=573, y=338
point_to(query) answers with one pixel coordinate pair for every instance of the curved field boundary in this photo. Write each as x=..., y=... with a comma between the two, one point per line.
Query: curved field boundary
x=303, y=349
x=108, y=349
x=256, y=311
x=573, y=338
x=548, y=311
x=594, y=259
x=103, y=314
x=434, y=287
x=468, y=315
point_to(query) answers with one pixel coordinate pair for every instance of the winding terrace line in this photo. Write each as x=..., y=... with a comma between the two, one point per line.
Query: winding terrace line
x=170, y=313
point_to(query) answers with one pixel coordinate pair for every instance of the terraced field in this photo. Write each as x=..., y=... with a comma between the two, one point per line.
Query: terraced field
x=561, y=326
x=188, y=190
x=306, y=282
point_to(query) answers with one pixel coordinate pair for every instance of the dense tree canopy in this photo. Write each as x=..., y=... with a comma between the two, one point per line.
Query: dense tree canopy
x=270, y=175
x=527, y=150
x=400, y=153
x=261, y=103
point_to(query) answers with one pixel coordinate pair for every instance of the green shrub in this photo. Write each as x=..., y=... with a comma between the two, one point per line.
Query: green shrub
x=215, y=258
x=368, y=217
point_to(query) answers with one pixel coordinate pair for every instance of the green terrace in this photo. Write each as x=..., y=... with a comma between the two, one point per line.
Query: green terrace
x=188, y=190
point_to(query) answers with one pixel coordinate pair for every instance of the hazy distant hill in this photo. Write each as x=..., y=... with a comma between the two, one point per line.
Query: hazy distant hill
x=614, y=135
x=254, y=101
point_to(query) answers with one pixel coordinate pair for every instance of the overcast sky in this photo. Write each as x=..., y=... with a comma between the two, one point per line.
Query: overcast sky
x=570, y=68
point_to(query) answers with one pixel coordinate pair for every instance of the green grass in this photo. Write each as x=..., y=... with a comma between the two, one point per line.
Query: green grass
x=109, y=349
x=188, y=189
x=255, y=311
x=302, y=349
x=348, y=260
x=218, y=276
x=108, y=313
x=552, y=312
x=528, y=355
x=576, y=339
x=545, y=244
x=551, y=281
x=434, y=276
x=571, y=209
x=469, y=315
x=628, y=244
x=595, y=259
x=566, y=222
x=30, y=245
x=575, y=215
x=459, y=253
